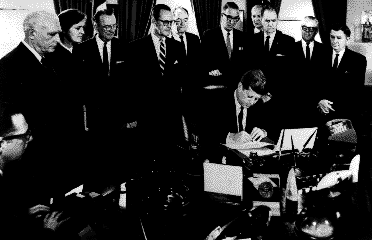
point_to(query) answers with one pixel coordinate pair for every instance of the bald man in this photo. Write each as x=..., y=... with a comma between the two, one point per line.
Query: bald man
x=27, y=81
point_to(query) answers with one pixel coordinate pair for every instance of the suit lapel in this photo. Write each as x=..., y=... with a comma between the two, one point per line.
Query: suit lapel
x=153, y=57
x=222, y=44
x=344, y=61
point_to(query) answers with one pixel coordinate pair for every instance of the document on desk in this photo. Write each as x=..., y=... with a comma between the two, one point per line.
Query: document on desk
x=245, y=145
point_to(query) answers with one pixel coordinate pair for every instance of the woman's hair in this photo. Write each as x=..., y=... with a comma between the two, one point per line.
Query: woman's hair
x=69, y=17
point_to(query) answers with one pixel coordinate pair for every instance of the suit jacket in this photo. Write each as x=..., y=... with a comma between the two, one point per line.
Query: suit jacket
x=219, y=117
x=45, y=102
x=306, y=82
x=344, y=85
x=103, y=95
x=215, y=56
x=157, y=98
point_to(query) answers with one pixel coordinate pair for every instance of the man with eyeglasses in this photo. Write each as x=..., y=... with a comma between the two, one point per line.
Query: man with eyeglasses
x=101, y=71
x=222, y=49
x=158, y=64
x=307, y=54
x=256, y=16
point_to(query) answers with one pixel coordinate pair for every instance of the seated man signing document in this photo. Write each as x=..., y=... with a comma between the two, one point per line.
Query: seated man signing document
x=249, y=121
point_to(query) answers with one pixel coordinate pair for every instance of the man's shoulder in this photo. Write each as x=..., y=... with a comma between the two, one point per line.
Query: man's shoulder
x=85, y=46
x=284, y=37
x=141, y=41
x=211, y=32
x=355, y=55
x=192, y=36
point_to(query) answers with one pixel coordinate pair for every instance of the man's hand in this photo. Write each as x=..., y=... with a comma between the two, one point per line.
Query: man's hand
x=51, y=220
x=325, y=106
x=241, y=137
x=215, y=73
x=257, y=134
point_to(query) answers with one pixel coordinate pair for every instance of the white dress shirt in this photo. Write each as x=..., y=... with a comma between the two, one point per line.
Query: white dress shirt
x=156, y=42
x=272, y=36
x=224, y=32
x=37, y=55
x=340, y=54
x=100, y=44
x=311, y=46
x=238, y=109
x=69, y=49
x=256, y=30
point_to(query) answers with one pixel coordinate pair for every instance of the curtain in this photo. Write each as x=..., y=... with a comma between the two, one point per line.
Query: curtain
x=134, y=19
x=207, y=14
x=329, y=12
x=276, y=5
x=86, y=6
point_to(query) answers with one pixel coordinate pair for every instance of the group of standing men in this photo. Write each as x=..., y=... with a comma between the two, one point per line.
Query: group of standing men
x=83, y=101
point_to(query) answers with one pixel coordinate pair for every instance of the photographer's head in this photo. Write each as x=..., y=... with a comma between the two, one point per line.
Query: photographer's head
x=251, y=88
x=14, y=134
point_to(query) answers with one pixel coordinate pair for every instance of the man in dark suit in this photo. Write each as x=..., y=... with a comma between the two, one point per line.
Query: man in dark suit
x=308, y=61
x=100, y=58
x=157, y=87
x=271, y=51
x=43, y=99
x=341, y=96
x=242, y=113
x=191, y=82
x=222, y=49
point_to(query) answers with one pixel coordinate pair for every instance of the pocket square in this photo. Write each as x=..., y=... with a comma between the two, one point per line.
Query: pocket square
x=280, y=55
x=175, y=62
x=240, y=48
x=119, y=62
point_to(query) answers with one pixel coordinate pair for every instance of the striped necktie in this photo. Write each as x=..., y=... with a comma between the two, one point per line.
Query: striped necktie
x=162, y=56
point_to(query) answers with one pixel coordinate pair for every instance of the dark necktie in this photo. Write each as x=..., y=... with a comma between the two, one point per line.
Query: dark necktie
x=183, y=45
x=267, y=44
x=240, y=119
x=162, y=57
x=105, y=60
x=335, y=62
x=228, y=44
x=307, y=52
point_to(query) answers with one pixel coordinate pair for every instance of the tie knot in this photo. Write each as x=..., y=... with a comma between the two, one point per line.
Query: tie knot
x=228, y=33
x=267, y=37
x=337, y=54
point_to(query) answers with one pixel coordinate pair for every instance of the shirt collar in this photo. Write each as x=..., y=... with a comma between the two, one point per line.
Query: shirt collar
x=311, y=44
x=225, y=32
x=256, y=30
x=37, y=55
x=237, y=104
x=68, y=49
x=100, y=42
x=272, y=35
x=340, y=54
x=154, y=36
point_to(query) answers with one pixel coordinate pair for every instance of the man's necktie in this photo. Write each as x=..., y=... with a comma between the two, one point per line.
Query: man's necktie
x=105, y=60
x=228, y=44
x=267, y=44
x=183, y=45
x=240, y=119
x=335, y=62
x=162, y=57
x=307, y=52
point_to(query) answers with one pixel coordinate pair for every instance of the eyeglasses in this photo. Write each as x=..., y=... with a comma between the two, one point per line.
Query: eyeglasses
x=26, y=135
x=230, y=18
x=166, y=22
x=110, y=27
x=178, y=21
x=309, y=29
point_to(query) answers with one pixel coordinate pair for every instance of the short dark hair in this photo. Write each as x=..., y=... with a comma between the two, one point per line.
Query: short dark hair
x=231, y=5
x=69, y=17
x=270, y=9
x=99, y=13
x=254, y=79
x=342, y=27
x=7, y=110
x=157, y=9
